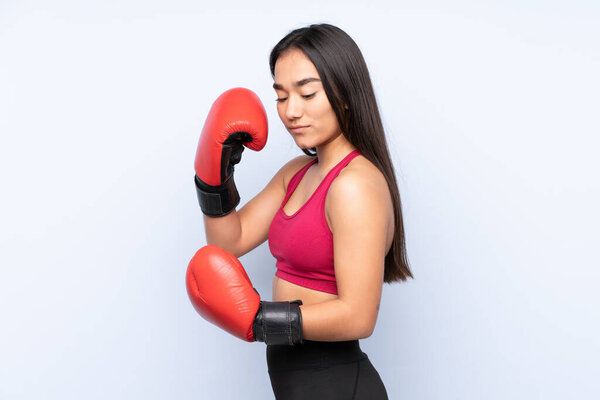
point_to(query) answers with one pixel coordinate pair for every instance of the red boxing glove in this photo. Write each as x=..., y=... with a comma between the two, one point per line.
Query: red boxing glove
x=236, y=118
x=222, y=293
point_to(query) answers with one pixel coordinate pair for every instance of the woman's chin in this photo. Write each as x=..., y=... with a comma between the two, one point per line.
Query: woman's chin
x=302, y=143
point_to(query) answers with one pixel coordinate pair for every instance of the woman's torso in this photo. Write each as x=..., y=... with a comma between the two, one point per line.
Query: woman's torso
x=287, y=291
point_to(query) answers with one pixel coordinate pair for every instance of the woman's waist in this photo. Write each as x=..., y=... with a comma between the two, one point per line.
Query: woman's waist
x=284, y=290
x=313, y=354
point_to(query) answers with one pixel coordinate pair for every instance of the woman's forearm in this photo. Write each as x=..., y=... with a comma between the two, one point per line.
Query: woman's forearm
x=224, y=232
x=334, y=320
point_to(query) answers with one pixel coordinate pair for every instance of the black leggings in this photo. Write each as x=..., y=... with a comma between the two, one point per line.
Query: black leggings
x=323, y=370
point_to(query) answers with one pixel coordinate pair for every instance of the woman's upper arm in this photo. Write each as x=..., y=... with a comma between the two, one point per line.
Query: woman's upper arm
x=256, y=215
x=359, y=210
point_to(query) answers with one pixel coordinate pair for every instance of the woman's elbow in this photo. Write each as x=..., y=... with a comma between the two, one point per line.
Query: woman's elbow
x=366, y=332
x=366, y=328
x=228, y=246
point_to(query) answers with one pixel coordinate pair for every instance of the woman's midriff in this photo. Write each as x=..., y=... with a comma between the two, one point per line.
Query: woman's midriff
x=288, y=291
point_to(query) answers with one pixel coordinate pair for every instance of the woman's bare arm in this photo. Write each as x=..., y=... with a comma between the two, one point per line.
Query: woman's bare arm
x=241, y=231
x=360, y=208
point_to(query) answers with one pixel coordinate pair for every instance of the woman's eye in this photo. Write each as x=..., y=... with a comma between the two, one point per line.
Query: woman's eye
x=308, y=96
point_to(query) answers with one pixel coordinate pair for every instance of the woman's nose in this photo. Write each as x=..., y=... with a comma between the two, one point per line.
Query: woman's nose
x=293, y=108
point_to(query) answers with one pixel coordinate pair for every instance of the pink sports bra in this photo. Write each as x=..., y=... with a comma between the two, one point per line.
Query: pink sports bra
x=302, y=243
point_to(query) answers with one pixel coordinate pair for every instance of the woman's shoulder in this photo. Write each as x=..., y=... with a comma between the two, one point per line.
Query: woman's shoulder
x=360, y=171
x=360, y=181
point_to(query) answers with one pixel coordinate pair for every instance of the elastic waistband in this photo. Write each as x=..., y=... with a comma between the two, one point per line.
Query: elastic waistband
x=312, y=354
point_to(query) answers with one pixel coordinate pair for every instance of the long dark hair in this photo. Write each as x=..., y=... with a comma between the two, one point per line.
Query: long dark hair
x=346, y=81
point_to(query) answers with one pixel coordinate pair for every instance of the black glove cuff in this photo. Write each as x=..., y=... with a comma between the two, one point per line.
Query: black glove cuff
x=217, y=201
x=278, y=322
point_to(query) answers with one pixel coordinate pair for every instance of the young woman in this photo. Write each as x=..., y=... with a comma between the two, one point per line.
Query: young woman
x=332, y=217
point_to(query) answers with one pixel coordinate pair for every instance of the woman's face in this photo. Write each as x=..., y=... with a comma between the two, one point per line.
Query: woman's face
x=302, y=102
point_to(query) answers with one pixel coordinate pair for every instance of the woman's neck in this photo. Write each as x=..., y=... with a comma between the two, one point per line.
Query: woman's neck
x=332, y=152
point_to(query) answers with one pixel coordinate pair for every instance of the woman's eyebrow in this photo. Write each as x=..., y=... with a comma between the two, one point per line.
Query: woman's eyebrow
x=299, y=83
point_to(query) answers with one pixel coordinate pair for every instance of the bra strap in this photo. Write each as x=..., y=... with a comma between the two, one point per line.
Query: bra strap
x=296, y=180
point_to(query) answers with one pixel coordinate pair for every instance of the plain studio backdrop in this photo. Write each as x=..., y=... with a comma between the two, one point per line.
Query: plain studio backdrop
x=491, y=111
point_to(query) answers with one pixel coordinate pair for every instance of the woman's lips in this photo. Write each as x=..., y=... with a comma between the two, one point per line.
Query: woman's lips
x=298, y=129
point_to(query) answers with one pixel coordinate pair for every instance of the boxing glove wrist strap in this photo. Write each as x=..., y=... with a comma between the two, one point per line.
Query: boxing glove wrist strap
x=278, y=322
x=217, y=201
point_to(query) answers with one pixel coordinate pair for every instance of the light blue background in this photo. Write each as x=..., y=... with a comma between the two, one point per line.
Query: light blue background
x=492, y=114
